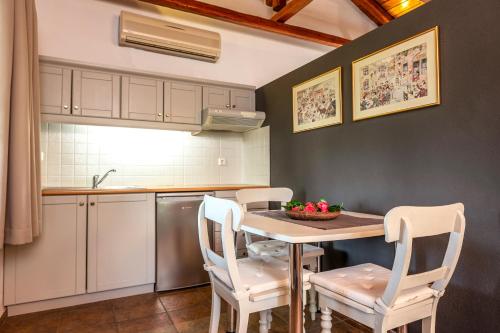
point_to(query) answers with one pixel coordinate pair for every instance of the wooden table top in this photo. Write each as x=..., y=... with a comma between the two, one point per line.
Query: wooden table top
x=295, y=233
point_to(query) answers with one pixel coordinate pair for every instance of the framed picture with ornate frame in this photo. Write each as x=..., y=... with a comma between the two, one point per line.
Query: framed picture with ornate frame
x=318, y=102
x=400, y=77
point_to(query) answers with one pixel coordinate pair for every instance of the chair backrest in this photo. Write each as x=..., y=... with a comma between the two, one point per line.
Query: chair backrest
x=228, y=214
x=403, y=224
x=270, y=194
x=251, y=195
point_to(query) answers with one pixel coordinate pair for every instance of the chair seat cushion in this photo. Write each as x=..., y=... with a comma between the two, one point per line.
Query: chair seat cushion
x=277, y=248
x=365, y=283
x=260, y=274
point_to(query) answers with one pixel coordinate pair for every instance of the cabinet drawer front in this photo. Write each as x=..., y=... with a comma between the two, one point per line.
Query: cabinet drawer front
x=184, y=103
x=242, y=99
x=142, y=99
x=96, y=94
x=121, y=241
x=216, y=97
x=56, y=260
x=55, y=90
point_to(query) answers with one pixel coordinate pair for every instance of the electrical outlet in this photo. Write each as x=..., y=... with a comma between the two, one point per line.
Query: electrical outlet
x=221, y=161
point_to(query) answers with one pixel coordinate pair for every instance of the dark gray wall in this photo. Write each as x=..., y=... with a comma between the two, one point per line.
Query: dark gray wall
x=430, y=156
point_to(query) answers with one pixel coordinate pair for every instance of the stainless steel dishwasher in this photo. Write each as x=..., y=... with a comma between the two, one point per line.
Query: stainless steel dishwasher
x=179, y=262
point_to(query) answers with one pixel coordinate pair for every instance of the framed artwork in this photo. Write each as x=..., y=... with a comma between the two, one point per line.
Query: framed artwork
x=401, y=77
x=318, y=102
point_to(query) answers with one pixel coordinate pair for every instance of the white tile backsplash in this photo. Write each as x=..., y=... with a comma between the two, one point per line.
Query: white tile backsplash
x=256, y=156
x=74, y=153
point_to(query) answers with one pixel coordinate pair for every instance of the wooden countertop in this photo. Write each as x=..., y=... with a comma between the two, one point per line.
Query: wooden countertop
x=51, y=191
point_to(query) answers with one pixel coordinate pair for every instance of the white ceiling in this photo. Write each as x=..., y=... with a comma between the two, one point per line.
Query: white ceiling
x=87, y=30
x=337, y=17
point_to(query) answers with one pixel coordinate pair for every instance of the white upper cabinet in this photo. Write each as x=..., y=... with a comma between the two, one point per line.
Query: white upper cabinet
x=81, y=94
x=55, y=90
x=96, y=94
x=142, y=98
x=227, y=98
x=216, y=97
x=182, y=103
x=54, y=264
x=121, y=241
x=242, y=99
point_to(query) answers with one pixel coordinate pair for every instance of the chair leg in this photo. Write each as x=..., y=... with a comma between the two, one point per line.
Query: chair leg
x=269, y=318
x=312, y=303
x=215, y=313
x=326, y=320
x=242, y=322
x=263, y=322
x=304, y=317
x=429, y=324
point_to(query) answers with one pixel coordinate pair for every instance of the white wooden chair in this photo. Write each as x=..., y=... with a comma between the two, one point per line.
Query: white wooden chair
x=384, y=299
x=242, y=283
x=275, y=248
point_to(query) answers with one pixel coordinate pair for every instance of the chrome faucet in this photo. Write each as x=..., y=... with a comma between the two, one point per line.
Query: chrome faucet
x=96, y=181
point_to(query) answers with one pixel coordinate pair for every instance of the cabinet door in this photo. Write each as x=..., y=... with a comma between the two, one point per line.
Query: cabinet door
x=54, y=264
x=242, y=99
x=121, y=241
x=216, y=97
x=142, y=99
x=182, y=103
x=55, y=90
x=96, y=94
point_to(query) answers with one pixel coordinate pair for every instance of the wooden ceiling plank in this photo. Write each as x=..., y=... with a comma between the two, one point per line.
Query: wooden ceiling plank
x=292, y=8
x=251, y=21
x=374, y=11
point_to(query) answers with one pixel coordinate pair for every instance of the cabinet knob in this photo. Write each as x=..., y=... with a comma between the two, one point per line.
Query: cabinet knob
x=81, y=204
x=160, y=114
x=92, y=203
x=228, y=106
x=75, y=107
x=234, y=106
x=65, y=107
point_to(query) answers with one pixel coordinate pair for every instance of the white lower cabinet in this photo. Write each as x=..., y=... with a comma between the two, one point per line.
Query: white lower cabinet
x=121, y=241
x=54, y=264
x=88, y=244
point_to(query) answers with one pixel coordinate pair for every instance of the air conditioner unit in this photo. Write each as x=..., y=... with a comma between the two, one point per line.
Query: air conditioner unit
x=171, y=38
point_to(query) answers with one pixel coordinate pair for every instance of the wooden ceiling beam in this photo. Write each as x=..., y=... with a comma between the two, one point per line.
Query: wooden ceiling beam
x=374, y=11
x=292, y=8
x=278, y=4
x=251, y=21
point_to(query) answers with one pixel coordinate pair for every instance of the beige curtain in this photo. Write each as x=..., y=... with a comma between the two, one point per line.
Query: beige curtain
x=20, y=192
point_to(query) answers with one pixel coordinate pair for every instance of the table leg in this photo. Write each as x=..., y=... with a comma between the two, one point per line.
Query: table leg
x=318, y=260
x=296, y=324
x=230, y=319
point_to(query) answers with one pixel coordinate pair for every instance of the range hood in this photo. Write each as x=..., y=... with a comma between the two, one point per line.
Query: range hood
x=230, y=120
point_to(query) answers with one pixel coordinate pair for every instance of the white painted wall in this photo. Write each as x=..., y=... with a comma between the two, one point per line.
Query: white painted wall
x=87, y=30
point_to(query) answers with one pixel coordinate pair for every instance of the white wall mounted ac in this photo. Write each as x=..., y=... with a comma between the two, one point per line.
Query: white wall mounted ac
x=171, y=38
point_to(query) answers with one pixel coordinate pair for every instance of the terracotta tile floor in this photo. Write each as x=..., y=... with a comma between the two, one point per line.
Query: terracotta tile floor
x=168, y=312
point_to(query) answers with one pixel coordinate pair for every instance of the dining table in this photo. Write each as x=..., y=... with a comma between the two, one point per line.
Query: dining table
x=296, y=234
